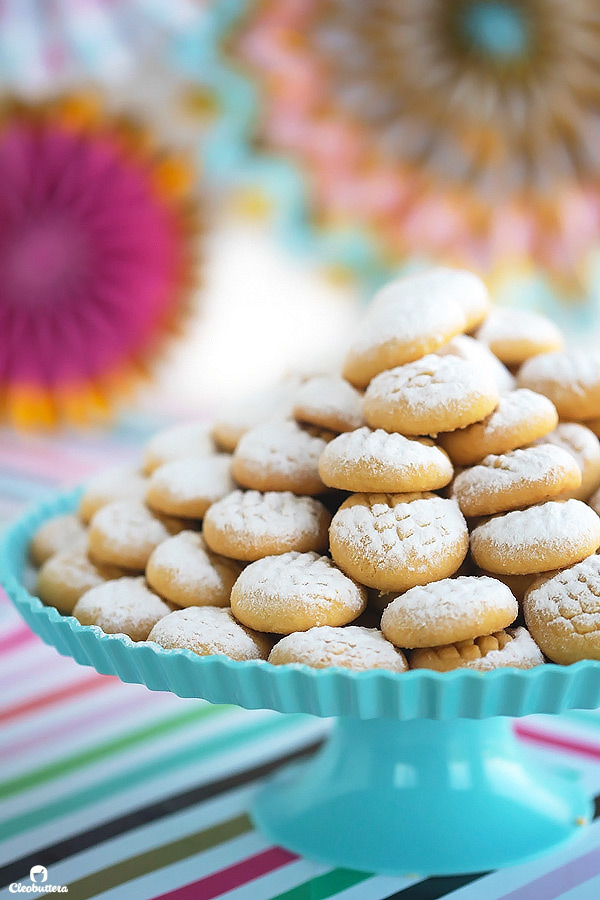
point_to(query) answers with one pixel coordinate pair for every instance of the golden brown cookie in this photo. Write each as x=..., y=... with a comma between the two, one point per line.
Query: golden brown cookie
x=275, y=403
x=393, y=542
x=279, y=456
x=378, y=462
x=513, y=648
x=184, y=571
x=432, y=394
x=210, y=631
x=329, y=402
x=295, y=592
x=178, y=442
x=116, y=483
x=56, y=534
x=248, y=525
x=570, y=379
x=352, y=647
x=520, y=417
x=65, y=576
x=514, y=335
x=124, y=533
x=187, y=487
x=124, y=606
x=584, y=447
x=475, y=352
x=549, y=536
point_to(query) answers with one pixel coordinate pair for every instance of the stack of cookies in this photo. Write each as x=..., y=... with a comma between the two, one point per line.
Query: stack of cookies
x=434, y=506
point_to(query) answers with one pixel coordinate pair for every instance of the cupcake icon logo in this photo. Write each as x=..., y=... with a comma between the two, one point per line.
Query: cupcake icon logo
x=38, y=884
x=38, y=874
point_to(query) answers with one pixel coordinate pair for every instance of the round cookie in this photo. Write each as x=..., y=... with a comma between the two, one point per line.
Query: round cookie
x=584, y=447
x=330, y=402
x=275, y=403
x=279, y=456
x=184, y=571
x=514, y=335
x=549, y=536
x=475, y=352
x=514, y=648
x=124, y=606
x=393, y=542
x=56, y=534
x=116, y=483
x=432, y=394
x=570, y=379
x=210, y=631
x=378, y=462
x=248, y=525
x=178, y=442
x=352, y=647
x=562, y=612
x=65, y=576
x=408, y=319
x=447, y=611
x=187, y=487
x=514, y=479
x=295, y=592
x=520, y=418
x=124, y=533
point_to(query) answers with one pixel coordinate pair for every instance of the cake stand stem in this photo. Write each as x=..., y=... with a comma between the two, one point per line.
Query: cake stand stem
x=427, y=796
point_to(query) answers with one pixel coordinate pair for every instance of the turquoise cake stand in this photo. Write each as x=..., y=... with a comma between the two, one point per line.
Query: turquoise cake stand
x=421, y=772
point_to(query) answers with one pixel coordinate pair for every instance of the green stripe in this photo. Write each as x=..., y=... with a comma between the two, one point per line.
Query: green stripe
x=325, y=886
x=68, y=764
x=138, y=774
x=158, y=858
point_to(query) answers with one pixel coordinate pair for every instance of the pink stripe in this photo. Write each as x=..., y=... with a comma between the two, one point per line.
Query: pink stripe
x=16, y=639
x=557, y=882
x=235, y=876
x=558, y=742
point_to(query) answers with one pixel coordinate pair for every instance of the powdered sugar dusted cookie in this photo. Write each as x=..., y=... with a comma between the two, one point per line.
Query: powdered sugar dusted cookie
x=393, y=542
x=520, y=418
x=123, y=606
x=518, y=585
x=65, y=576
x=584, y=447
x=514, y=335
x=295, y=592
x=549, y=536
x=514, y=479
x=187, y=487
x=432, y=394
x=454, y=609
x=248, y=525
x=184, y=571
x=210, y=631
x=473, y=351
x=275, y=403
x=56, y=534
x=562, y=612
x=570, y=379
x=366, y=460
x=352, y=647
x=330, y=402
x=124, y=533
x=177, y=442
x=279, y=456
x=116, y=483
x=514, y=648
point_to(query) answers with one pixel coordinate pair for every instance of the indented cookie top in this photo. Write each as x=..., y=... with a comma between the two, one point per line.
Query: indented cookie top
x=187, y=487
x=474, y=351
x=366, y=460
x=124, y=533
x=514, y=648
x=279, y=456
x=242, y=415
x=122, y=606
x=116, y=483
x=329, y=401
x=56, y=534
x=65, y=576
x=209, y=631
x=352, y=647
x=393, y=542
x=183, y=570
x=570, y=379
x=520, y=417
x=432, y=394
x=562, y=612
x=583, y=445
x=515, y=335
x=248, y=525
x=295, y=592
x=186, y=439
x=517, y=478
x=549, y=536
x=453, y=609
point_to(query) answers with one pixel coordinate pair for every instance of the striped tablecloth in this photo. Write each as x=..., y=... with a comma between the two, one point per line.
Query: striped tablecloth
x=125, y=794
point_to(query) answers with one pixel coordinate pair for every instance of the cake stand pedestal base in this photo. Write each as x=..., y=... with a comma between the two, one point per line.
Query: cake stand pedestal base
x=426, y=796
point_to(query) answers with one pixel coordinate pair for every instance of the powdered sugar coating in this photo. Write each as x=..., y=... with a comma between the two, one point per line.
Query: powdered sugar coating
x=184, y=571
x=367, y=460
x=453, y=609
x=279, y=456
x=176, y=442
x=329, y=401
x=474, y=351
x=432, y=394
x=248, y=525
x=393, y=542
x=65, y=576
x=583, y=445
x=515, y=335
x=514, y=648
x=115, y=483
x=239, y=417
x=549, y=536
x=187, y=487
x=123, y=606
x=570, y=379
x=353, y=647
x=454, y=285
x=56, y=534
x=124, y=533
x=209, y=631
x=295, y=592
